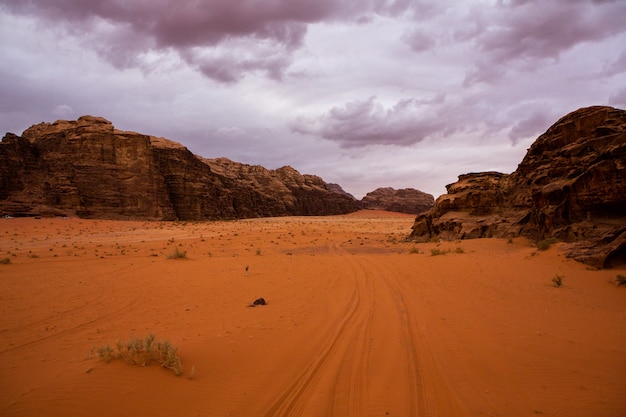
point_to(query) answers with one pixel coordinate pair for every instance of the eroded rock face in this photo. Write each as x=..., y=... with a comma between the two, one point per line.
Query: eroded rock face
x=406, y=200
x=570, y=185
x=89, y=169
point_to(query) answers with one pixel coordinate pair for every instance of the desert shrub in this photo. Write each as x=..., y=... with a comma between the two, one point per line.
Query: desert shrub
x=557, y=280
x=435, y=252
x=177, y=254
x=459, y=250
x=5, y=261
x=143, y=352
x=620, y=280
x=414, y=250
x=546, y=243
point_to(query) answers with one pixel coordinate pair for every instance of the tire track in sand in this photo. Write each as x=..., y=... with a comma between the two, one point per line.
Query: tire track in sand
x=422, y=401
x=338, y=366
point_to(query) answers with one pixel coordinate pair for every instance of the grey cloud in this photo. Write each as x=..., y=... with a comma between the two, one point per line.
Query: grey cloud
x=419, y=40
x=367, y=122
x=531, y=126
x=523, y=33
x=616, y=67
x=618, y=99
x=136, y=27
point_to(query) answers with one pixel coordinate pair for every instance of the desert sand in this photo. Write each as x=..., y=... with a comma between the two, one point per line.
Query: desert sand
x=358, y=321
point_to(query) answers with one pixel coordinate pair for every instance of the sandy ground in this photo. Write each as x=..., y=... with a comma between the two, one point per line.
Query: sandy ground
x=357, y=323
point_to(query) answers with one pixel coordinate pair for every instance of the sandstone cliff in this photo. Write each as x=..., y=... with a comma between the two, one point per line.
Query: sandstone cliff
x=90, y=169
x=406, y=200
x=571, y=185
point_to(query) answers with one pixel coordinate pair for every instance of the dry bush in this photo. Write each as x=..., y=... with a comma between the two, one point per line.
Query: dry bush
x=557, y=280
x=177, y=254
x=143, y=352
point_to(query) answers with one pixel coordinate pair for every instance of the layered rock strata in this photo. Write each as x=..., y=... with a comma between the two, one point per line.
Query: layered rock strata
x=571, y=185
x=406, y=200
x=90, y=169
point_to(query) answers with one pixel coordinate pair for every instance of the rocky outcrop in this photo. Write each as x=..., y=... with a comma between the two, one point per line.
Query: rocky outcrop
x=571, y=185
x=406, y=200
x=90, y=169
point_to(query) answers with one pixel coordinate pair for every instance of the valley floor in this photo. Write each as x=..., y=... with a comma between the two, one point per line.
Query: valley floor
x=358, y=321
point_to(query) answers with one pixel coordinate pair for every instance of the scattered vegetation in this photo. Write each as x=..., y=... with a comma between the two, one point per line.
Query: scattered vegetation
x=177, y=254
x=546, y=243
x=144, y=352
x=258, y=251
x=459, y=250
x=557, y=280
x=414, y=250
x=620, y=280
x=5, y=261
x=435, y=252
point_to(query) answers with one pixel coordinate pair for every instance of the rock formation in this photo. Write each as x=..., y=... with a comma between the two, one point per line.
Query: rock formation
x=571, y=185
x=407, y=200
x=89, y=169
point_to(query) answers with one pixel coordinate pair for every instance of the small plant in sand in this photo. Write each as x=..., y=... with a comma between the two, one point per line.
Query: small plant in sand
x=5, y=261
x=258, y=251
x=435, y=252
x=620, y=280
x=557, y=280
x=143, y=352
x=459, y=250
x=546, y=243
x=177, y=254
x=414, y=250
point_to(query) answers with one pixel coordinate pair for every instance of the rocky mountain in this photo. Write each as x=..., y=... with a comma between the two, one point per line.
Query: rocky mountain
x=571, y=185
x=90, y=169
x=406, y=200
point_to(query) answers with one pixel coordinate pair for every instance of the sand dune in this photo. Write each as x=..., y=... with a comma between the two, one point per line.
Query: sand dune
x=357, y=323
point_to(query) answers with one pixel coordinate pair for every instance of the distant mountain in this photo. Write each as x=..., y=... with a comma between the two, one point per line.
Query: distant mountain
x=90, y=169
x=571, y=186
x=406, y=200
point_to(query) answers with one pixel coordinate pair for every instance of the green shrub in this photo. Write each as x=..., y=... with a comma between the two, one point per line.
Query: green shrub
x=144, y=352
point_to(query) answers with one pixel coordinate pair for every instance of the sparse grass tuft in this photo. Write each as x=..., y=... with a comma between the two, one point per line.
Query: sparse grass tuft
x=459, y=250
x=5, y=261
x=435, y=252
x=414, y=250
x=258, y=251
x=177, y=254
x=557, y=280
x=143, y=352
x=620, y=280
x=546, y=243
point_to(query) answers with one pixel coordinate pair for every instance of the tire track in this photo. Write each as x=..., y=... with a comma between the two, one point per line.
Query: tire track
x=422, y=401
x=340, y=362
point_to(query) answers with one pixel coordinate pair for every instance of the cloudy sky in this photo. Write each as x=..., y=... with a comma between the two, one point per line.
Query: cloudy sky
x=364, y=93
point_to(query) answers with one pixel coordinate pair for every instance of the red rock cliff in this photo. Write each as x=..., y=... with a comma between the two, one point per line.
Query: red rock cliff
x=571, y=185
x=89, y=169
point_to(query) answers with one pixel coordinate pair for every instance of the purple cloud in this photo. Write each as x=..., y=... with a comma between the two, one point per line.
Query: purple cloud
x=366, y=122
x=265, y=33
x=529, y=31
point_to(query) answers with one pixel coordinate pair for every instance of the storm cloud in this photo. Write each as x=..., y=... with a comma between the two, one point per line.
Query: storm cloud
x=363, y=93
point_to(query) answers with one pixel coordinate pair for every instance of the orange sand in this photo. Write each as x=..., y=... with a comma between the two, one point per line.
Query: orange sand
x=356, y=324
